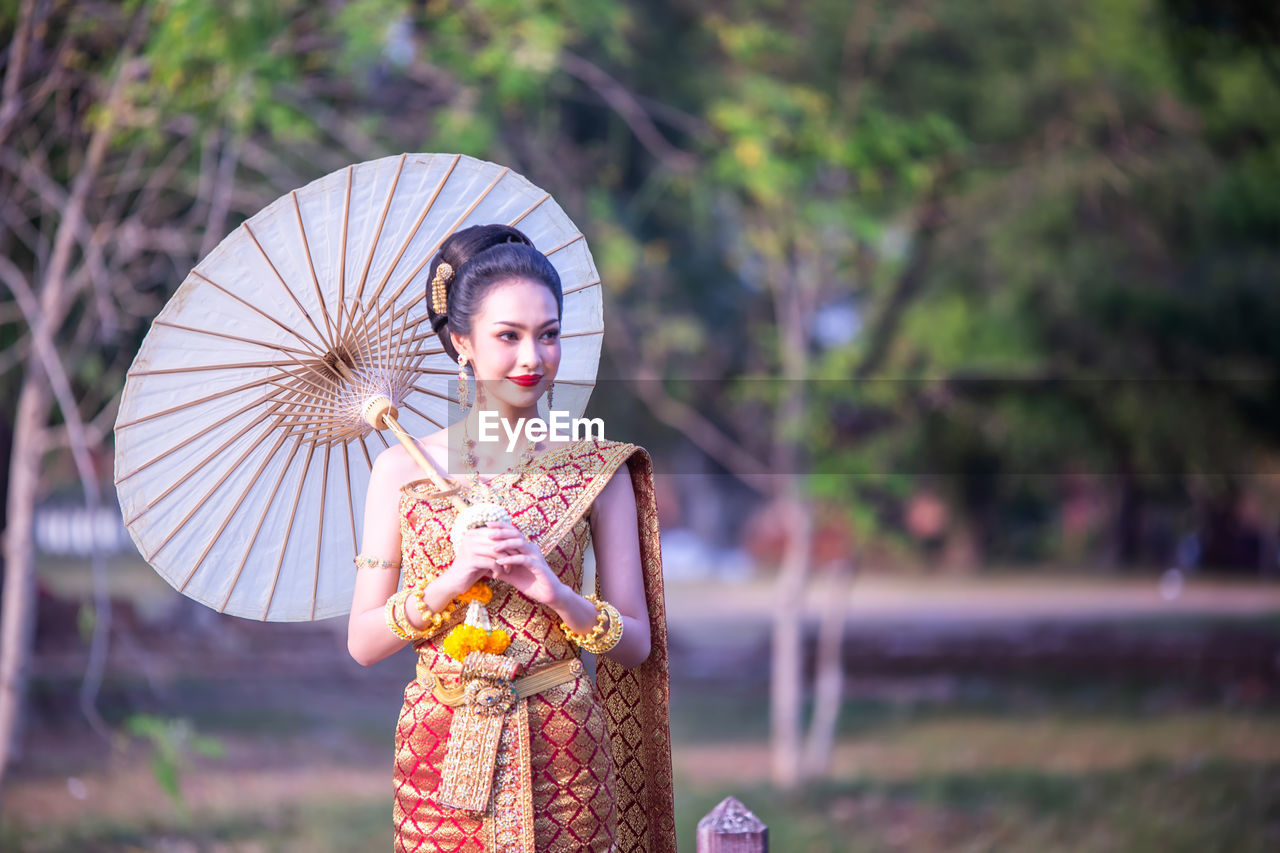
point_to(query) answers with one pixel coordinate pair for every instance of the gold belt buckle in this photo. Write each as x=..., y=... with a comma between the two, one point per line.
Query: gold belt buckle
x=490, y=695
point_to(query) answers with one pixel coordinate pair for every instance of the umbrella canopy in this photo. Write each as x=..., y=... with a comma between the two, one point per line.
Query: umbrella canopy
x=242, y=451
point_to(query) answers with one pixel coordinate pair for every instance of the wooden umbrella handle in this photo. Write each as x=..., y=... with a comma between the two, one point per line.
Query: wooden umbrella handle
x=380, y=414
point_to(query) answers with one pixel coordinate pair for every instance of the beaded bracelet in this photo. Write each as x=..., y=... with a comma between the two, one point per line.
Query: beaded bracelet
x=396, y=611
x=433, y=620
x=599, y=639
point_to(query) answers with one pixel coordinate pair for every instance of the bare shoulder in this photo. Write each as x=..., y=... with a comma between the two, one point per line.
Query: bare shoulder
x=397, y=468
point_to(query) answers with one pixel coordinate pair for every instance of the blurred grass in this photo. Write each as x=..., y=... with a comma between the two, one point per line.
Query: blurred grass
x=1154, y=806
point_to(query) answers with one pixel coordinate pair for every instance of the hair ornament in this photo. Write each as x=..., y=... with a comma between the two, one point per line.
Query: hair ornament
x=439, y=287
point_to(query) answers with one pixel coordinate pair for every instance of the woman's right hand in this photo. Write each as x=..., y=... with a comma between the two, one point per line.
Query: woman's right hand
x=475, y=559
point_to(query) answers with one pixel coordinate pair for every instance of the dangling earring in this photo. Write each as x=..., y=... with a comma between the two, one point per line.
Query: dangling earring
x=463, y=402
x=550, y=390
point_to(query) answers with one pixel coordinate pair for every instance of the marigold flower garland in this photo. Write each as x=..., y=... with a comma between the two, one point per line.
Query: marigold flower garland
x=476, y=634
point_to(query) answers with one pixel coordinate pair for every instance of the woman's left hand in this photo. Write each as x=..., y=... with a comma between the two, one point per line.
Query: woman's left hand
x=521, y=564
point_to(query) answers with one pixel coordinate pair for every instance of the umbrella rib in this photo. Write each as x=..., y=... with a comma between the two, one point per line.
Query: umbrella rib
x=191, y=438
x=293, y=514
x=191, y=404
x=227, y=336
x=311, y=267
x=404, y=350
x=322, y=406
x=537, y=204
x=239, y=501
x=152, y=503
x=377, y=340
x=422, y=415
x=324, y=491
x=368, y=459
x=431, y=393
x=360, y=324
x=414, y=231
x=387, y=320
x=351, y=504
x=564, y=245
x=253, y=540
x=316, y=349
x=578, y=287
x=200, y=368
x=195, y=507
x=342, y=254
x=293, y=418
x=461, y=219
x=432, y=371
x=377, y=234
x=422, y=337
x=280, y=278
x=373, y=349
x=311, y=369
x=413, y=366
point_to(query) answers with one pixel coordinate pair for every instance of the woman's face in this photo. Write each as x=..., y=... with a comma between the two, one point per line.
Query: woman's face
x=514, y=336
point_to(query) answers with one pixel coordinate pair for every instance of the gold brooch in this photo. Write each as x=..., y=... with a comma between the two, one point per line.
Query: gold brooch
x=439, y=284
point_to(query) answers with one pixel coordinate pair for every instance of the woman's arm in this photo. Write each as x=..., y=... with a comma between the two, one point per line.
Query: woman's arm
x=369, y=640
x=615, y=534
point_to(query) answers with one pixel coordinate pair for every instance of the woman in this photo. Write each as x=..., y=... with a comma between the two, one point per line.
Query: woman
x=567, y=765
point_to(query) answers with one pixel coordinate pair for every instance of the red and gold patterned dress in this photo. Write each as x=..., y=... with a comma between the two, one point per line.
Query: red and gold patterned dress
x=580, y=766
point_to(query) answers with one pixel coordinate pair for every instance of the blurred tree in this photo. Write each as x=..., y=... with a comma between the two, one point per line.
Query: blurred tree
x=1103, y=285
x=117, y=168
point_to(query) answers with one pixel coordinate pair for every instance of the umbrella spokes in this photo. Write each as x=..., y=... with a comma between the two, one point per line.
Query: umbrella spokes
x=251, y=416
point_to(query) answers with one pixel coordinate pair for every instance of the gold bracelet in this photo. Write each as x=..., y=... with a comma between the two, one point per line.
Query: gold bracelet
x=433, y=620
x=600, y=639
x=396, y=611
x=596, y=630
x=363, y=562
x=614, y=635
x=392, y=618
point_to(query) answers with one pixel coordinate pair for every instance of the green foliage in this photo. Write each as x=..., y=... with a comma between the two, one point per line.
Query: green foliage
x=172, y=741
x=225, y=60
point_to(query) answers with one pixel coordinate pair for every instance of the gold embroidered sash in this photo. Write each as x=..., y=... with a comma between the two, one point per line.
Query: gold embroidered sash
x=466, y=779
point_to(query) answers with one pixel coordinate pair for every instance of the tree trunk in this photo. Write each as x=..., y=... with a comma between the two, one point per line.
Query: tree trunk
x=787, y=679
x=828, y=687
x=17, y=625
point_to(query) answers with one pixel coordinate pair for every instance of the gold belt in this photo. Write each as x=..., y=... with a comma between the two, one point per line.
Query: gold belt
x=535, y=682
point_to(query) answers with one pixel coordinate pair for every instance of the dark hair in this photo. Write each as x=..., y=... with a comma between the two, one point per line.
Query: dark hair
x=482, y=256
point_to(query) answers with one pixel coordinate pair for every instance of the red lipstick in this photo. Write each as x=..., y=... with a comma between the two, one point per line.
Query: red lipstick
x=528, y=380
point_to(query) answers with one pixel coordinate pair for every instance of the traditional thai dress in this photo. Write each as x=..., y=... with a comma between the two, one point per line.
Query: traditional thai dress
x=580, y=766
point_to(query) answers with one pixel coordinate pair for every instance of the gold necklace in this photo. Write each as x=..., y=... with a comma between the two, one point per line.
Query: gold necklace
x=469, y=460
